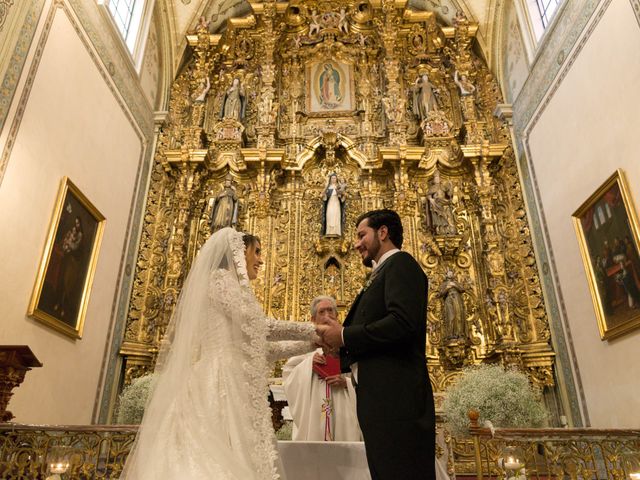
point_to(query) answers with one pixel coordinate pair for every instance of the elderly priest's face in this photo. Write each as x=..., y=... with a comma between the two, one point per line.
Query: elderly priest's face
x=324, y=312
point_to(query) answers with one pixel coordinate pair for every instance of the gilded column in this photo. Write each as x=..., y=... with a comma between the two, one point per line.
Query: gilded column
x=395, y=103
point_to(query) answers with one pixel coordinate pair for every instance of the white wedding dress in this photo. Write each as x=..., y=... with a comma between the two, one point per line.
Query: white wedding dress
x=209, y=417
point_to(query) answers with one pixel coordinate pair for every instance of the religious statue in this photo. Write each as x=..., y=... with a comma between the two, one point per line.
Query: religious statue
x=439, y=209
x=225, y=207
x=234, y=102
x=424, y=99
x=464, y=84
x=203, y=24
x=205, y=86
x=333, y=211
x=267, y=109
x=394, y=107
x=314, y=24
x=460, y=18
x=343, y=25
x=453, y=313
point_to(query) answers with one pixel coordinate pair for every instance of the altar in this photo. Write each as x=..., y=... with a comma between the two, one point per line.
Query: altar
x=335, y=460
x=322, y=460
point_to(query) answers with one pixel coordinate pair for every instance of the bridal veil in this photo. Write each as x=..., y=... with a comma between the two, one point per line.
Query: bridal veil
x=208, y=416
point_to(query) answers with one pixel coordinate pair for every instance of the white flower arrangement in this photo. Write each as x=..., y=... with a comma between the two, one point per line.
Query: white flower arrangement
x=503, y=397
x=286, y=431
x=133, y=399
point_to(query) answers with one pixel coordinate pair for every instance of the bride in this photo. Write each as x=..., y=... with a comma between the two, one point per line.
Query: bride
x=208, y=416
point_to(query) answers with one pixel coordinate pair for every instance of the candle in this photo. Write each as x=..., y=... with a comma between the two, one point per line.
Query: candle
x=511, y=463
x=58, y=467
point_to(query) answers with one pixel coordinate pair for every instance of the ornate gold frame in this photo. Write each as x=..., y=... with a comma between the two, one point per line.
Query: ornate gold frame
x=35, y=310
x=607, y=331
x=310, y=69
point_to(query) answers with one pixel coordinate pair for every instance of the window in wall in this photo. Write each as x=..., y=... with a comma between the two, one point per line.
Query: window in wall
x=546, y=9
x=541, y=14
x=127, y=15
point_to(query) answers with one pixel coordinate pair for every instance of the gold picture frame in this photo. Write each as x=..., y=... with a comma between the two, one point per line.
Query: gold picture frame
x=607, y=228
x=330, y=88
x=63, y=285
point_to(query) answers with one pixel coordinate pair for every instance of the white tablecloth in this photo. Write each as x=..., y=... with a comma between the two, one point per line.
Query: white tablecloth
x=333, y=460
x=324, y=460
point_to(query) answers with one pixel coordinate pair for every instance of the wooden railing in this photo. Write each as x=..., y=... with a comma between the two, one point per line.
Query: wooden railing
x=558, y=453
x=99, y=452
x=27, y=452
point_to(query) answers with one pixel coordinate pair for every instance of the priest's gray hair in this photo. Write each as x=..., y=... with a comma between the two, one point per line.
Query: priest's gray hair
x=320, y=298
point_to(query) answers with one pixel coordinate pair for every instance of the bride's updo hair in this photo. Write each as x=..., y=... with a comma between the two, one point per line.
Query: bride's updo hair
x=250, y=240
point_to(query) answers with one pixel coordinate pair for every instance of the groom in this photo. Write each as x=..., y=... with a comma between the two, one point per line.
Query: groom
x=383, y=344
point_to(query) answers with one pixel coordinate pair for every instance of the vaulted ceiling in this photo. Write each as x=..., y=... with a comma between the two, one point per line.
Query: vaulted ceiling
x=182, y=16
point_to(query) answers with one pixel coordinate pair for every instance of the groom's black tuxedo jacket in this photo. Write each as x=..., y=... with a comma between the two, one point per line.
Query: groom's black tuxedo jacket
x=385, y=333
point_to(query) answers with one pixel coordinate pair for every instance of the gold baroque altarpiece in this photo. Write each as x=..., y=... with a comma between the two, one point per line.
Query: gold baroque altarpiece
x=418, y=135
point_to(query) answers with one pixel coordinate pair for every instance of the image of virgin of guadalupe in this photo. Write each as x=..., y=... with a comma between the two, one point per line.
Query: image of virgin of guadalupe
x=333, y=210
x=329, y=84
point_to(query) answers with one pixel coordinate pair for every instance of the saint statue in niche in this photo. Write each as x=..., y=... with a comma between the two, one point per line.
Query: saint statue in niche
x=234, y=102
x=225, y=207
x=453, y=313
x=424, y=99
x=464, y=84
x=333, y=211
x=329, y=83
x=439, y=209
x=204, y=87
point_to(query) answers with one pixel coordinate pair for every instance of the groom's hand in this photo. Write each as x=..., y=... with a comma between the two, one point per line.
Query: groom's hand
x=331, y=333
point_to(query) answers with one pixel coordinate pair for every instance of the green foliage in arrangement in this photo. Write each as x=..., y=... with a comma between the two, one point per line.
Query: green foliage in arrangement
x=286, y=431
x=133, y=399
x=504, y=397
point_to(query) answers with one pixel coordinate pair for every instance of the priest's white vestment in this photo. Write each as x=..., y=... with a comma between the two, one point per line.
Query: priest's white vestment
x=306, y=395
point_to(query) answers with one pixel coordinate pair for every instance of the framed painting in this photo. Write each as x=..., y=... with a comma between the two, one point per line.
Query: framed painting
x=330, y=87
x=607, y=229
x=61, y=293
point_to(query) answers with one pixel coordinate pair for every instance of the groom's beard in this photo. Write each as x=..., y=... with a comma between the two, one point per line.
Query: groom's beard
x=372, y=252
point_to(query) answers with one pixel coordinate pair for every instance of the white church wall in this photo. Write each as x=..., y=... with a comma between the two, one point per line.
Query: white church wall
x=150, y=70
x=586, y=128
x=71, y=122
x=515, y=65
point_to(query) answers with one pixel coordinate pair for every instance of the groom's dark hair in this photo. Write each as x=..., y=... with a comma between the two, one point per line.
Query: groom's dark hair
x=388, y=218
x=250, y=240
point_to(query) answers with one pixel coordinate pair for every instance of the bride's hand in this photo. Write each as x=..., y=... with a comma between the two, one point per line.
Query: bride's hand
x=331, y=333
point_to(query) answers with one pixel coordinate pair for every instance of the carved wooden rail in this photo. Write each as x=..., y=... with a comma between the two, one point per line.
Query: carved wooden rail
x=92, y=451
x=559, y=453
x=100, y=451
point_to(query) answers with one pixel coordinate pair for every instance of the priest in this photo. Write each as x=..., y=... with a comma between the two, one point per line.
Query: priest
x=321, y=400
